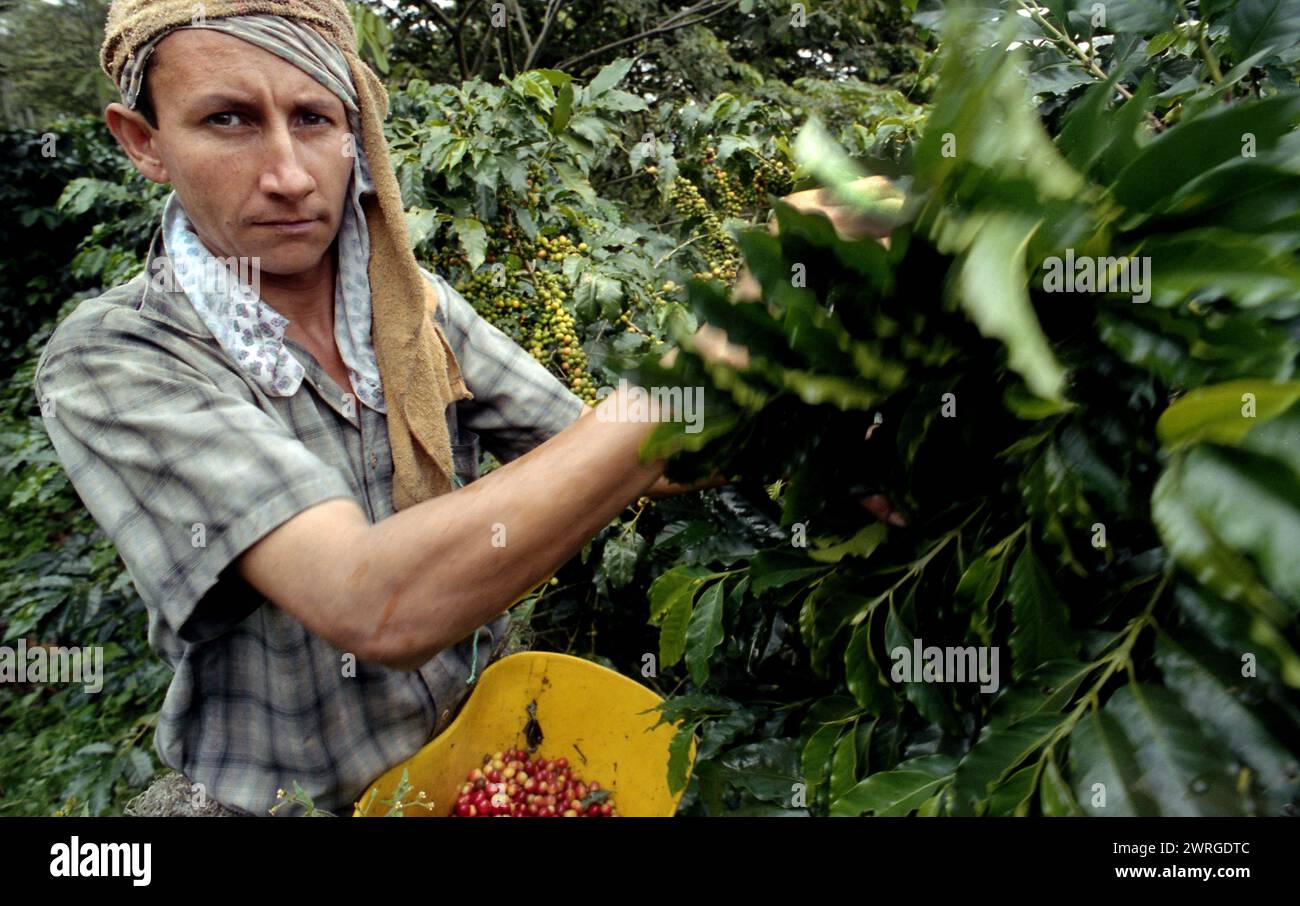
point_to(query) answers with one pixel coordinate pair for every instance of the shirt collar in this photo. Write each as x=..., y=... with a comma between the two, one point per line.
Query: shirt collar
x=161, y=295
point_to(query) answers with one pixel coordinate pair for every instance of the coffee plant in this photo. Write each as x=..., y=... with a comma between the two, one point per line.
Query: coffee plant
x=1100, y=476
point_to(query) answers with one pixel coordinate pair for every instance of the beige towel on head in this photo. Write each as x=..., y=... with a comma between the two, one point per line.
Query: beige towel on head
x=417, y=367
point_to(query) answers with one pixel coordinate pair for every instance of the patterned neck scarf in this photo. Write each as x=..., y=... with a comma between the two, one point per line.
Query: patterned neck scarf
x=249, y=330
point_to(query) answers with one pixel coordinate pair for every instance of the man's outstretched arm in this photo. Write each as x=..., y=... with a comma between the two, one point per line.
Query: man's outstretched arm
x=401, y=590
x=665, y=488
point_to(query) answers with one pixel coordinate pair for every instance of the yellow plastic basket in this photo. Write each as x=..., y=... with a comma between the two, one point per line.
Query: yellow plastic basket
x=596, y=718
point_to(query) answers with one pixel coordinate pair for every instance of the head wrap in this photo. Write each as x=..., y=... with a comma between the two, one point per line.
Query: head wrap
x=418, y=369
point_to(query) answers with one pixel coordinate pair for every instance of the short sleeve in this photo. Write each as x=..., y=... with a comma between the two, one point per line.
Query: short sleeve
x=182, y=475
x=518, y=404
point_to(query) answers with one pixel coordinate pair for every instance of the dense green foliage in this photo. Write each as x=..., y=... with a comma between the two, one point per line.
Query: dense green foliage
x=1103, y=490
x=49, y=60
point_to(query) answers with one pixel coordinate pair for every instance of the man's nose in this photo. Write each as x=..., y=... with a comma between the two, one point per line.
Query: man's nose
x=283, y=171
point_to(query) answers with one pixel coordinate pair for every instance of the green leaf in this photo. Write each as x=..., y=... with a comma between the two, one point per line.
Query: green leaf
x=535, y=84
x=862, y=675
x=844, y=765
x=816, y=754
x=831, y=606
x=931, y=807
x=890, y=793
x=620, y=556
x=679, y=756
x=997, y=754
x=766, y=770
x=976, y=587
x=930, y=697
x=823, y=725
x=1012, y=797
x=563, y=111
x=141, y=766
x=573, y=180
x=1046, y=690
x=1197, y=549
x=1085, y=129
x=620, y=101
x=1139, y=16
x=1219, y=263
x=1278, y=439
x=992, y=287
x=1258, y=24
x=1042, y=623
x=1161, y=42
x=774, y=568
x=1239, y=631
x=1245, y=505
x=958, y=149
x=420, y=224
x=1104, y=766
x=556, y=77
x=704, y=632
x=609, y=76
x=863, y=542
x=451, y=154
x=816, y=150
x=1193, y=146
x=668, y=588
x=1218, y=413
x=1054, y=796
x=1222, y=701
x=672, y=633
x=723, y=731
x=1184, y=772
x=843, y=393
x=595, y=293
x=473, y=239
x=1255, y=506
x=80, y=195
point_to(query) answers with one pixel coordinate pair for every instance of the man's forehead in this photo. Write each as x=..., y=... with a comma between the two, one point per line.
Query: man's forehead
x=204, y=55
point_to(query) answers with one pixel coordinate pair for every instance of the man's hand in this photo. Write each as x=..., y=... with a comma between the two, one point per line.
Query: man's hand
x=850, y=222
x=711, y=344
x=662, y=486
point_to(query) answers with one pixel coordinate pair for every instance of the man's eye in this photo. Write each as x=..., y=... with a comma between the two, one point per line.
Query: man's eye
x=317, y=119
x=216, y=118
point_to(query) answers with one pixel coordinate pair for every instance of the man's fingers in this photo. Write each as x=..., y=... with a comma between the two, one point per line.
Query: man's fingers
x=880, y=507
x=746, y=288
x=711, y=343
x=850, y=221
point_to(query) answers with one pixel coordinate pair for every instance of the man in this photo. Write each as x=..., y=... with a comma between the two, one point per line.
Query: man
x=276, y=468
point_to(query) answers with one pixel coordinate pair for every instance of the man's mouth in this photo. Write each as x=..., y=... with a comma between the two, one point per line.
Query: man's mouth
x=290, y=225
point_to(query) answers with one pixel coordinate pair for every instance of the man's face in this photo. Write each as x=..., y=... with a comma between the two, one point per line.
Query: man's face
x=249, y=142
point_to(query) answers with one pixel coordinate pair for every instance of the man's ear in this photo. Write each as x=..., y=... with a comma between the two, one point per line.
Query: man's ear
x=137, y=139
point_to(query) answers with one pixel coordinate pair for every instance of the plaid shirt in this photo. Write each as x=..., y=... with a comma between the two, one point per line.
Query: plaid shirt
x=185, y=463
